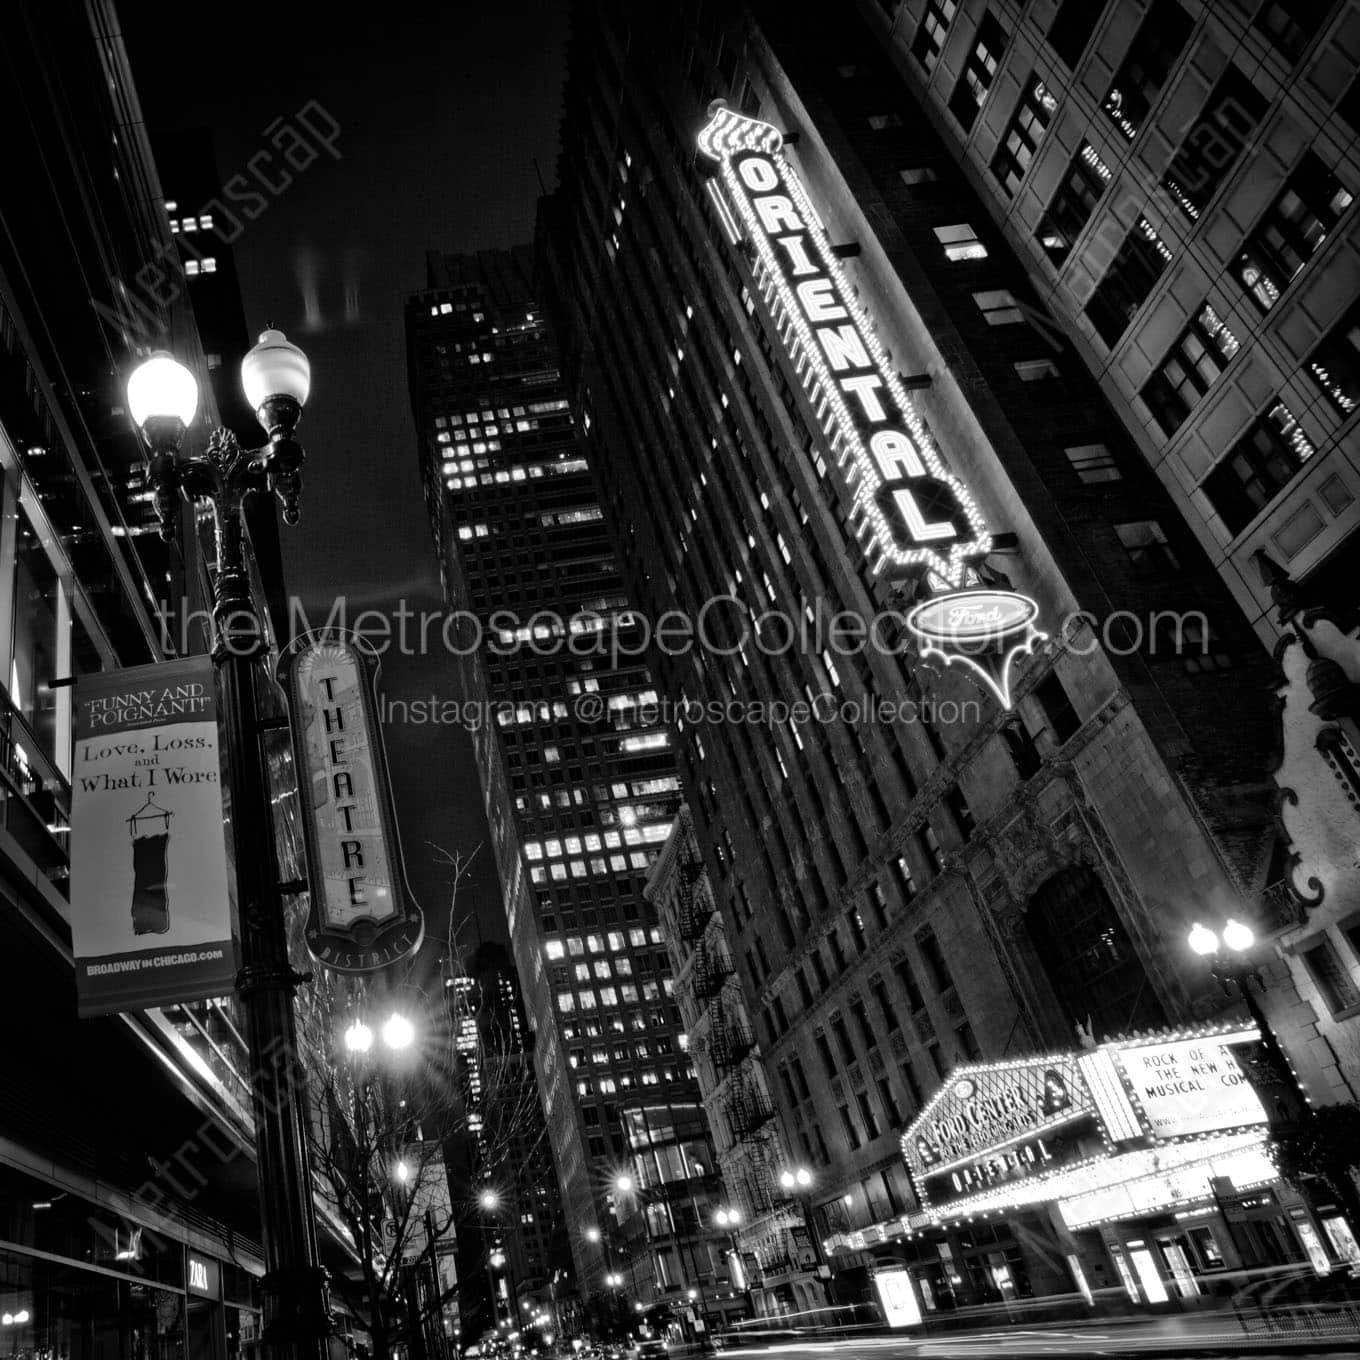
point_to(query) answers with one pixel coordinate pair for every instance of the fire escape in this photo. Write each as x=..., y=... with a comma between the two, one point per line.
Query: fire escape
x=730, y=1037
x=747, y=1106
x=711, y=969
x=694, y=906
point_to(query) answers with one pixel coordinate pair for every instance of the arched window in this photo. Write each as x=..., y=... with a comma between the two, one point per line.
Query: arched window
x=1091, y=963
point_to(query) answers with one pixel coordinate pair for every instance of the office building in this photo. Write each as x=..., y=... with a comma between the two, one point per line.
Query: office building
x=915, y=872
x=578, y=775
x=727, y=1065
x=501, y=1167
x=1178, y=182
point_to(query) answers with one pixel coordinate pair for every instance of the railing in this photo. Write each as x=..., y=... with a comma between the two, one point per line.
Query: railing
x=730, y=1039
x=694, y=912
x=712, y=968
x=748, y=1109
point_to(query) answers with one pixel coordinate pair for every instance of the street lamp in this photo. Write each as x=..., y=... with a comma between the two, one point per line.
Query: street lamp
x=798, y=1182
x=398, y=1032
x=163, y=399
x=592, y=1234
x=1229, y=955
x=489, y=1200
x=623, y=1183
x=730, y=1220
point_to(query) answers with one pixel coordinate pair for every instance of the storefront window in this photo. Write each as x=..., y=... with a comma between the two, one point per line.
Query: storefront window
x=80, y=1315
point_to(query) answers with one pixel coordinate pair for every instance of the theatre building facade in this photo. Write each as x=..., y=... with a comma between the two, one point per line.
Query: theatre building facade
x=1135, y=1171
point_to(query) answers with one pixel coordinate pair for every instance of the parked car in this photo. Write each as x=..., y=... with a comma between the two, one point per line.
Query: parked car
x=652, y=1350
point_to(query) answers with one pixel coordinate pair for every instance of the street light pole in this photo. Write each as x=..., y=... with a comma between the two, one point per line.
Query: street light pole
x=163, y=396
x=1228, y=953
x=730, y=1220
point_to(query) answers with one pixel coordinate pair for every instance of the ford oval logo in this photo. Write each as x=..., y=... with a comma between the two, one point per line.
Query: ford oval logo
x=972, y=616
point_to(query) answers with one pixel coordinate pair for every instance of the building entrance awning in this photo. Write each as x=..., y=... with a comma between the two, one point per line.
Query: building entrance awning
x=1126, y=1129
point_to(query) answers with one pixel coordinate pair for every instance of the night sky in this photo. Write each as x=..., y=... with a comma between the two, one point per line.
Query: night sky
x=443, y=111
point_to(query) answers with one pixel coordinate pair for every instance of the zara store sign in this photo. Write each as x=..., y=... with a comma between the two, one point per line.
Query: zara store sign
x=908, y=510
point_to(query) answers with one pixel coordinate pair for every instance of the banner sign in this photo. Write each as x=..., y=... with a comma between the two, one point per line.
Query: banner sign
x=911, y=514
x=150, y=906
x=362, y=915
x=1185, y=1087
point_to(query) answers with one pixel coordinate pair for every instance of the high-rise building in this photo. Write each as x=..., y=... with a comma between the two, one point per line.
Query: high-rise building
x=502, y=1169
x=915, y=871
x=579, y=776
x=1178, y=181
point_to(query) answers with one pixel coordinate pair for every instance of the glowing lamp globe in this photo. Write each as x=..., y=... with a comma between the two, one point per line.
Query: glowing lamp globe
x=786, y=1179
x=398, y=1031
x=488, y=1199
x=162, y=387
x=1238, y=936
x=358, y=1037
x=275, y=368
x=624, y=1183
x=1203, y=940
x=803, y=1176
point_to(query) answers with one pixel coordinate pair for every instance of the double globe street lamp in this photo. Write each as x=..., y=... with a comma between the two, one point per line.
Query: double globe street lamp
x=1229, y=952
x=163, y=399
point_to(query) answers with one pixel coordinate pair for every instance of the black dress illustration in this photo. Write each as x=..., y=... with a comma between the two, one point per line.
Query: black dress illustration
x=150, y=826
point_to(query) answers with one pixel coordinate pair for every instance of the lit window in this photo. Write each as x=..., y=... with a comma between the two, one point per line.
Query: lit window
x=1035, y=370
x=1133, y=273
x=1199, y=355
x=960, y=242
x=1073, y=202
x=1291, y=231
x=970, y=93
x=205, y=221
x=928, y=43
x=1258, y=467
x=1148, y=60
x=1335, y=364
x=1023, y=134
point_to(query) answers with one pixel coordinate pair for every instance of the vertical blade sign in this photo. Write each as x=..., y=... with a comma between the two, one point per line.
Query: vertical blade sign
x=909, y=512
x=362, y=915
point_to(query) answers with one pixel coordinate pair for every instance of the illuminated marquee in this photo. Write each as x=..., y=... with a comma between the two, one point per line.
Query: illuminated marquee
x=1106, y=1132
x=910, y=513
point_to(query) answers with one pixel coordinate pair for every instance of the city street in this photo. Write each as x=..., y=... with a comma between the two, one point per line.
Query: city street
x=1218, y=1334
x=680, y=678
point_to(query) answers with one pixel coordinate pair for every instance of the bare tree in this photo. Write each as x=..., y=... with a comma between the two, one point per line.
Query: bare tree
x=385, y=1122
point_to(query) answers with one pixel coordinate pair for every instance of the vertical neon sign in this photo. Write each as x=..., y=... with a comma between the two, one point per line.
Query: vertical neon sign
x=909, y=512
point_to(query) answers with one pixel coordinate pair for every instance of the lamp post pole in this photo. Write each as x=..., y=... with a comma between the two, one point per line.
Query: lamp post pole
x=162, y=396
x=1228, y=952
x=730, y=1221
